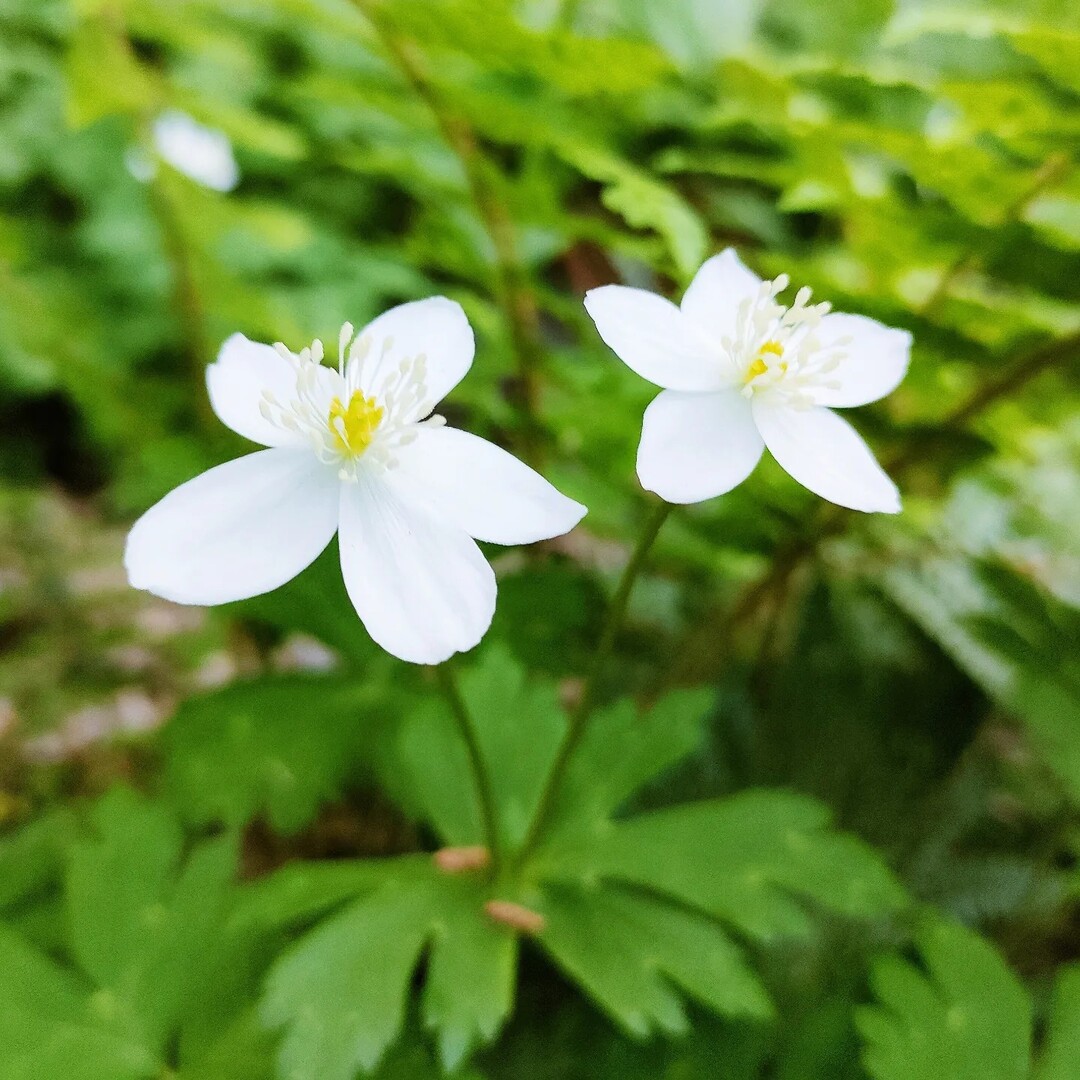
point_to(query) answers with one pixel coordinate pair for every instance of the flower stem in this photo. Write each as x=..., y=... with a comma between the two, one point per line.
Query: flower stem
x=187, y=300
x=481, y=779
x=579, y=717
x=515, y=294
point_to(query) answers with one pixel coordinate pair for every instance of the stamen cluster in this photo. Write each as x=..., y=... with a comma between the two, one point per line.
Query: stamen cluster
x=362, y=411
x=775, y=348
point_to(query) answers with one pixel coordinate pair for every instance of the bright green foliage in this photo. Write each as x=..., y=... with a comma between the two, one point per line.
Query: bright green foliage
x=518, y=726
x=783, y=666
x=257, y=749
x=53, y=1026
x=741, y=862
x=637, y=957
x=744, y=859
x=342, y=990
x=154, y=971
x=31, y=860
x=620, y=752
x=961, y=1013
x=645, y=204
x=966, y=1017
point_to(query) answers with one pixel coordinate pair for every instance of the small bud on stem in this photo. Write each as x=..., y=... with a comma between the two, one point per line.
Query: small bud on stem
x=516, y=916
x=460, y=860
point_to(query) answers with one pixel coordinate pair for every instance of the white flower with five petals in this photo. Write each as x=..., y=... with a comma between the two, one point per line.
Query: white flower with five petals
x=353, y=450
x=741, y=372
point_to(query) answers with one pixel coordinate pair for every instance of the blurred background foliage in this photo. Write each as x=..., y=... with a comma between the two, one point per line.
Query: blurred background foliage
x=920, y=676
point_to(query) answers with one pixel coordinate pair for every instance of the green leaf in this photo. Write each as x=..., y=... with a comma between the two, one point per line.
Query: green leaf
x=281, y=747
x=51, y=1025
x=749, y=861
x=315, y=602
x=644, y=202
x=115, y=882
x=340, y=991
x=745, y=859
x=301, y=891
x=489, y=32
x=837, y=29
x=693, y=31
x=1053, y=48
x=630, y=952
x=549, y=615
x=1062, y=1048
x=471, y=974
x=1057, y=219
x=428, y=773
x=144, y=922
x=622, y=749
x=31, y=857
x=104, y=76
x=243, y=1051
x=965, y=1017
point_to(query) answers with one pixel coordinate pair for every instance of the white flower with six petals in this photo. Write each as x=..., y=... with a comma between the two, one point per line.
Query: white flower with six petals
x=353, y=450
x=741, y=372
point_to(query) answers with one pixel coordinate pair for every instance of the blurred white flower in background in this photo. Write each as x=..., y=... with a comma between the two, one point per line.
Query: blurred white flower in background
x=203, y=154
x=742, y=372
x=353, y=450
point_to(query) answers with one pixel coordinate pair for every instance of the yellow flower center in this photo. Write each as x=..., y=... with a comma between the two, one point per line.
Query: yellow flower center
x=760, y=366
x=354, y=425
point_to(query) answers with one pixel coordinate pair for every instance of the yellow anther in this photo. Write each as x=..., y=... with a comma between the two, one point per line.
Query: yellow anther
x=760, y=365
x=354, y=427
x=755, y=369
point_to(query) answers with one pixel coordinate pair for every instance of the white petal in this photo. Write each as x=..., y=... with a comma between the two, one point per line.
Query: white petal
x=825, y=454
x=875, y=364
x=652, y=337
x=697, y=446
x=238, y=530
x=713, y=299
x=420, y=585
x=244, y=370
x=202, y=153
x=435, y=328
x=482, y=489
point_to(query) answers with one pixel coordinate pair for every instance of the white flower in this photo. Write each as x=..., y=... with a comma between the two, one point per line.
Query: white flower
x=741, y=372
x=351, y=452
x=201, y=153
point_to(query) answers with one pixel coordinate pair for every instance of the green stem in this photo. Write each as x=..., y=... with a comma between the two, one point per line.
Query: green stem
x=481, y=778
x=187, y=299
x=579, y=717
x=515, y=295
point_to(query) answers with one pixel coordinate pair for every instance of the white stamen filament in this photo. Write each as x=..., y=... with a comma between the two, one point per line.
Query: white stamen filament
x=776, y=349
x=399, y=391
